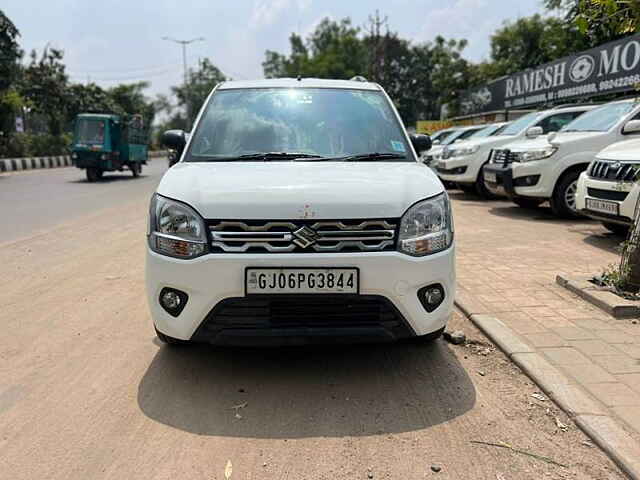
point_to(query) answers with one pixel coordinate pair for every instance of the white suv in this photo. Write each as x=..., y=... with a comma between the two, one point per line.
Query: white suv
x=607, y=190
x=462, y=164
x=548, y=168
x=299, y=213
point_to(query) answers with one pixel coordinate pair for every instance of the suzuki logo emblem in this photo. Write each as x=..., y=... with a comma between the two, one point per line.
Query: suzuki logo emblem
x=305, y=237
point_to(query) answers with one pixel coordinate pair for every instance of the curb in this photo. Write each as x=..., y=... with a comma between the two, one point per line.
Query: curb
x=55, y=161
x=588, y=414
x=603, y=299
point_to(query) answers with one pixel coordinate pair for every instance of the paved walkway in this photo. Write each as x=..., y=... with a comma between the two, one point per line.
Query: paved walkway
x=508, y=259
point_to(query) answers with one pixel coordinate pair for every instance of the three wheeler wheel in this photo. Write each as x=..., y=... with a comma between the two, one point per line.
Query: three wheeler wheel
x=94, y=174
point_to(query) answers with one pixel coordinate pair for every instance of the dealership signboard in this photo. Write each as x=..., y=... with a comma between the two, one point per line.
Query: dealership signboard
x=609, y=68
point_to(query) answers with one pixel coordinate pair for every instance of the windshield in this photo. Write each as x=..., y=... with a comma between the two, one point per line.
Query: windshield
x=488, y=131
x=600, y=119
x=459, y=135
x=441, y=135
x=307, y=121
x=90, y=131
x=519, y=125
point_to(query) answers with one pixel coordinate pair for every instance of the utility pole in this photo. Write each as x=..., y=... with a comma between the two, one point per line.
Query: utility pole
x=184, y=44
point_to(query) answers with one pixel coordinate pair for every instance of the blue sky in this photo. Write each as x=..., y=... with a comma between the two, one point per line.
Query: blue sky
x=116, y=41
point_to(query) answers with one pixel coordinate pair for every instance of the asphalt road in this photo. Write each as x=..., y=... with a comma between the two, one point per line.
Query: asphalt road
x=36, y=200
x=87, y=392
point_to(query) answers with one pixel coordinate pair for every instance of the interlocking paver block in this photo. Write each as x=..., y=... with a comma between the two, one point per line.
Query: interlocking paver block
x=618, y=363
x=565, y=356
x=546, y=339
x=589, y=373
x=594, y=347
x=614, y=394
x=573, y=333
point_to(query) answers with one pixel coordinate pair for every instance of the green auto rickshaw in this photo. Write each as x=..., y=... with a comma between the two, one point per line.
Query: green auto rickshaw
x=106, y=143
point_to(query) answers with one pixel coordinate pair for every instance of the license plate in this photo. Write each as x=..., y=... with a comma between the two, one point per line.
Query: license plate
x=301, y=280
x=490, y=177
x=603, y=206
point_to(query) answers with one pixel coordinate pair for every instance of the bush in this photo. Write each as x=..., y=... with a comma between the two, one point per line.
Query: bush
x=34, y=145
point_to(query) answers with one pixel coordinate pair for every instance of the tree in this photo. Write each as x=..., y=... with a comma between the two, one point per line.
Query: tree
x=44, y=85
x=600, y=20
x=529, y=42
x=10, y=54
x=200, y=82
x=129, y=99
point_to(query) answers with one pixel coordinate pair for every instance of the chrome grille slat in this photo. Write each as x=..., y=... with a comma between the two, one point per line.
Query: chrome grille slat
x=302, y=236
x=609, y=170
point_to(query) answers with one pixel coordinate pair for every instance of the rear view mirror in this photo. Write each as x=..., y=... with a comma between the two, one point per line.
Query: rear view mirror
x=435, y=142
x=632, y=126
x=533, y=132
x=420, y=142
x=175, y=139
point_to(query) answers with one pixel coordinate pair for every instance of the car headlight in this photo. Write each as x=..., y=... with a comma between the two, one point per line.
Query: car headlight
x=531, y=155
x=463, y=151
x=175, y=229
x=427, y=227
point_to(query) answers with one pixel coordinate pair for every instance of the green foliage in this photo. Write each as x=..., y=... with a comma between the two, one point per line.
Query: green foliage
x=600, y=21
x=419, y=78
x=200, y=82
x=36, y=145
x=529, y=42
x=10, y=52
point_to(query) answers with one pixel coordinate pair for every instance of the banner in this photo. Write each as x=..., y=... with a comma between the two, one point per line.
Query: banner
x=431, y=126
x=610, y=68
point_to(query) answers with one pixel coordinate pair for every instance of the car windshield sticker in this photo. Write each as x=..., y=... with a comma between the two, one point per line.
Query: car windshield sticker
x=397, y=146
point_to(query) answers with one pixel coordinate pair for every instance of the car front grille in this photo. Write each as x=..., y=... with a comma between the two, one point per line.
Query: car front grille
x=504, y=156
x=302, y=236
x=302, y=315
x=614, y=170
x=607, y=194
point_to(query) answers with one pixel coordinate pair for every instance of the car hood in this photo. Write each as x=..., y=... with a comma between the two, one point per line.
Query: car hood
x=626, y=150
x=561, y=138
x=299, y=190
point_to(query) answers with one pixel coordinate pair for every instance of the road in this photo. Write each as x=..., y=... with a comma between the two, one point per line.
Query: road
x=36, y=200
x=86, y=392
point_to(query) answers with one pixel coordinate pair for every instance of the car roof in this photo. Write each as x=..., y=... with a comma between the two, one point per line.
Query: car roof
x=299, y=83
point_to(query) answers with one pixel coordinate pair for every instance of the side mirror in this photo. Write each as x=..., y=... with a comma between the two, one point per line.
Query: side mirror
x=175, y=139
x=533, y=132
x=420, y=142
x=632, y=126
x=435, y=142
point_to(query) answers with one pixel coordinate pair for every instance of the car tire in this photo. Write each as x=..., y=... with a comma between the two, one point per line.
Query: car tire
x=563, y=201
x=481, y=188
x=170, y=340
x=528, y=202
x=617, y=228
x=93, y=174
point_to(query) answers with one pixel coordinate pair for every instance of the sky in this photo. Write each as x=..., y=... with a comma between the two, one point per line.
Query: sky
x=117, y=41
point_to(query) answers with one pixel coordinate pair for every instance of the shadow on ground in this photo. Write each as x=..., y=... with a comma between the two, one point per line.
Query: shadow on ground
x=106, y=178
x=299, y=393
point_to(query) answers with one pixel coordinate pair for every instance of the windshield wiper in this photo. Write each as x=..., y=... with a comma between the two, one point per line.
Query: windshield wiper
x=371, y=156
x=266, y=156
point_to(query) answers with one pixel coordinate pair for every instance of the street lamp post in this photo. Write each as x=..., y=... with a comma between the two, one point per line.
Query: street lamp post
x=184, y=44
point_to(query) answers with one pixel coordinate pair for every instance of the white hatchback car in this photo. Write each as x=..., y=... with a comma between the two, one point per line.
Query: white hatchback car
x=299, y=213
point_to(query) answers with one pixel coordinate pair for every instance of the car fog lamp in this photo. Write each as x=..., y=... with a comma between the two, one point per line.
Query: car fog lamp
x=431, y=296
x=173, y=301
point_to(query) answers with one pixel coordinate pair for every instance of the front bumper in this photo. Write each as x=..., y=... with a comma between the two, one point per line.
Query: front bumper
x=389, y=284
x=462, y=169
x=516, y=180
x=623, y=194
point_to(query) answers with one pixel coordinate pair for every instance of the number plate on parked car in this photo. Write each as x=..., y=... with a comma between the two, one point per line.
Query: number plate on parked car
x=603, y=206
x=301, y=280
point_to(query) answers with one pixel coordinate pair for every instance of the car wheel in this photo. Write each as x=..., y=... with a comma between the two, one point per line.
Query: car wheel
x=563, y=202
x=528, y=202
x=170, y=340
x=617, y=228
x=93, y=174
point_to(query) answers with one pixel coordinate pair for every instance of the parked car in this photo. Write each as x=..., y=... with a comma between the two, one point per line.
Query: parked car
x=548, y=168
x=463, y=164
x=299, y=213
x=439, y=136
x=458, y=135
x=607, y=190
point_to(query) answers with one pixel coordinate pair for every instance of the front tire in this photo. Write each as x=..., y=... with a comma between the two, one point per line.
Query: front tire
x=94, y=174
x=617, y=228
x=528, y=202
x=563, y=201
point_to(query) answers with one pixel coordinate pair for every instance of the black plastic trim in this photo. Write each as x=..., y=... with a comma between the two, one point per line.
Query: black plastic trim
x=184, y=298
